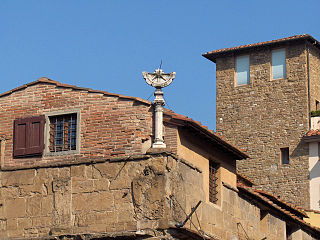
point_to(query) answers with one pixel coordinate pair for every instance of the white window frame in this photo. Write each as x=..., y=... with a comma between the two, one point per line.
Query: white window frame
x=236, y=70
x=285, y=63
x=47, y=151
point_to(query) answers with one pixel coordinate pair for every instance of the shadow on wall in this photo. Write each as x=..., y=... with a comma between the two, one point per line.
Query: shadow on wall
x=315, y=171
x=302, y=149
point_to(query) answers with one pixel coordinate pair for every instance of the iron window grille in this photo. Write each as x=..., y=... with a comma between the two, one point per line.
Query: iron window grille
x=63, y=133
x=213, y=182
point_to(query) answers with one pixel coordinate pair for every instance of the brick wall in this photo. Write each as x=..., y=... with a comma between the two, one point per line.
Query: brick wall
x=266, y=115
x=110, y=126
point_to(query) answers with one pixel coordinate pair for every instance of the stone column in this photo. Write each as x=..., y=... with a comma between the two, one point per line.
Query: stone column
x=158, y=104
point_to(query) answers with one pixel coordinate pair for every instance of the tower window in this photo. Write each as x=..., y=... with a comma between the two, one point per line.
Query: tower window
x=278, y=64
x=242, y=70
x=317, y=105
x=285, y=155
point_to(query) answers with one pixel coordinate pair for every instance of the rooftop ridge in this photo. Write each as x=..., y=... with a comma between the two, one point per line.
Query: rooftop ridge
x=211, y=54
x=59, y=84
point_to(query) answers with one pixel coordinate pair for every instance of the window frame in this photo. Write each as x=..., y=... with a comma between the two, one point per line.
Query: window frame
x=285, y=60
x=214, y=194
x=236, y=70
x=284, y=150
x=47, y=151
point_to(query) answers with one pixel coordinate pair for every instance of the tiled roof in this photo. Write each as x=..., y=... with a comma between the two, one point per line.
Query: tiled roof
x=246, y=178
x=172, y=115
x=311, y=210
x=213, y=54
x=284, y=204
x=313, y=132
x=283, y=207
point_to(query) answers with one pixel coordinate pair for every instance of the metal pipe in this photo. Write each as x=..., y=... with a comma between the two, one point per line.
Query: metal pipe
x=309, y=95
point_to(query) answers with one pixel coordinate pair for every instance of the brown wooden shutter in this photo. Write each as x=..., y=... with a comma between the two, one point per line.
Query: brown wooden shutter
x=28, y=136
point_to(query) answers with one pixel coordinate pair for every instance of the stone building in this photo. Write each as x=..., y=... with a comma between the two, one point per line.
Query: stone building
x=77, y=163
x=265, y=94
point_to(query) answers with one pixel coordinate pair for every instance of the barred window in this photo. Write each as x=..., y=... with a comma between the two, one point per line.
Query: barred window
x=213, y=181
x=63, y=132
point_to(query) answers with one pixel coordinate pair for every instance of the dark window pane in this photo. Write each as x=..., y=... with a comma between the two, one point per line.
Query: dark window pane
x=285, y=155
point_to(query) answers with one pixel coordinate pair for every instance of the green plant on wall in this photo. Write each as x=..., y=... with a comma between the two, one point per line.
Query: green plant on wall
x=315, y=113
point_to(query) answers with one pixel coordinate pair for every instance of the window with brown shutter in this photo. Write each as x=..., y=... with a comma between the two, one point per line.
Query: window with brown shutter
x=28, y=136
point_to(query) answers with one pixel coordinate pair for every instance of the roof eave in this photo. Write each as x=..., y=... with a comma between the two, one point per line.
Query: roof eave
x=213, y=55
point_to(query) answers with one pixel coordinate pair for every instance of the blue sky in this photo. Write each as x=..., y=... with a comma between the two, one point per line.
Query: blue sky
x=106, y=44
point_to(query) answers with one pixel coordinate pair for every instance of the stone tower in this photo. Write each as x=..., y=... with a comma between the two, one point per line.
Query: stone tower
x=265, y=93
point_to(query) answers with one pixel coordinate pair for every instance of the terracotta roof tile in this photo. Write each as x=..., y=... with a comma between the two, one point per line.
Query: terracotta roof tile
x=213, y=54
x=281, y=201
x=245, y=177
x=313, y=132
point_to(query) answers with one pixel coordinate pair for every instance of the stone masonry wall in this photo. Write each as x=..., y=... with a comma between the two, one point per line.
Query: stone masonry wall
x=110, y=126
x=147, y=195
x=266, y=115
x=107, y=197
x=314, y=71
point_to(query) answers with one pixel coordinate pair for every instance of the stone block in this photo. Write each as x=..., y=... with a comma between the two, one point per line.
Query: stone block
x=82, y=186
x=102, y=201
x=81, y=171
x=9, y=193
x=46, y=205
x=34, y=206
x=3, y=225
x=31, y=233
x=131, y=226
x=64, y=172
x=12, y=224
x=101, y=184
x=122, y=182
x=105, y=217
x=107, y=169
x=29, y=190
x=17, y=233
x=39, y=222
x=61, y=185
x=24, y=223
x=17, y=178
x=14, y=208
x=97, y=228
x=125, y=216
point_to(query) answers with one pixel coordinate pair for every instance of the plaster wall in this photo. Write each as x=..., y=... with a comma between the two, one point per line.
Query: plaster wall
x=314, y=169
x=315, y=122
x=191, y=148
x=313, y=218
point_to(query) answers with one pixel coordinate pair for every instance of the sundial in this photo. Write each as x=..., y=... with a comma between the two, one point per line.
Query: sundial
x=159, y=80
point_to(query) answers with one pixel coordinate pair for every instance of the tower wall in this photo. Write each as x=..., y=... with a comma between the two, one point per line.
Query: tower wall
x=267, y=115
